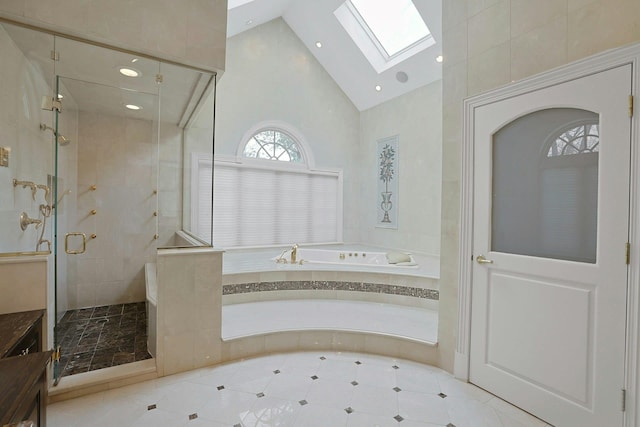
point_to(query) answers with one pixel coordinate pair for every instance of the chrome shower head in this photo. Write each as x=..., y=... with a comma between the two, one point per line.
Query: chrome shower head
x=62, y=140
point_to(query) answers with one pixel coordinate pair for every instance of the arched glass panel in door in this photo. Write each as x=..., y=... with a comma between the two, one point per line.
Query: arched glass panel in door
x=545, y=185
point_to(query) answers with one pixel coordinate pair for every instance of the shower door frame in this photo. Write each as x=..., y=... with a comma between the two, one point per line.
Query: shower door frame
x=598, y=63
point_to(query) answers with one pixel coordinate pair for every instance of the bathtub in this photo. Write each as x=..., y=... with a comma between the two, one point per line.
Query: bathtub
x=327, y=258
x=254, y=275
x=347, y=257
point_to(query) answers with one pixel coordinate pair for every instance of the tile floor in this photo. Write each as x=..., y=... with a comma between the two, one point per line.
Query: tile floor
x=324, y=389
x=101, y=337
x=238, y=320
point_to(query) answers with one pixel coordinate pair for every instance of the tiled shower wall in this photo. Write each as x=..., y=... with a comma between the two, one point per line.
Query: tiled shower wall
x=487, y=44
x=31, y=157
x=118, y=155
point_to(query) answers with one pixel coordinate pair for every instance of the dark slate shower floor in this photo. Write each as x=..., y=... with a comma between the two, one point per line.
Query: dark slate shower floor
x=101, y=337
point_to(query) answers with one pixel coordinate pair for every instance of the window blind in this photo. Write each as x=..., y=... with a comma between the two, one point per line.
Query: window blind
x=253, y=206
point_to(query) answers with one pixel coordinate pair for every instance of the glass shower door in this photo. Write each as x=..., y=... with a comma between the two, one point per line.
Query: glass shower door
x=105, y=189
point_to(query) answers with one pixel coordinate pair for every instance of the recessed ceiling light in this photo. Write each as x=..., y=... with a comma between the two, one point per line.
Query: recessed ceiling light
x=133, y=107
x=134, y=60
x=129, y=72
x=439, y=58
x=378, y=88
x=318, y=44
x=249, y=22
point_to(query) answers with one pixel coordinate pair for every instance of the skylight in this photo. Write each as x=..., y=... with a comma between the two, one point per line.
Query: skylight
x=396, y=24
x=387, y=32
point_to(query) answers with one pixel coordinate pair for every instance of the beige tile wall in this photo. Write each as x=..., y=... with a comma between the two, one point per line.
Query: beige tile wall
x=117, y=155
x=490, y=43
x=191, y=32
x=189, y=309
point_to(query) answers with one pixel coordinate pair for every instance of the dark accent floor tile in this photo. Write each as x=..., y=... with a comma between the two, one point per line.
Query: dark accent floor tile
x=442, y=395
x=99, y=365
x=348, y=410
x=84, y=313
x=100, y=337
x=398, y=418
x=101, y=311
x=129, y=308
x=140, y=345
x=115, y=309
x=121, y=358
x=193, y=416
x=142, y=355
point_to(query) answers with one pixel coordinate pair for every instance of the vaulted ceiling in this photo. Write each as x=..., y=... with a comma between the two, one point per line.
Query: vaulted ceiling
x=314, y=21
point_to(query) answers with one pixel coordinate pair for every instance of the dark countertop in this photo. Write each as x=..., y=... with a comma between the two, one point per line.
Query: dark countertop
x=17, y=376
x=14, y=326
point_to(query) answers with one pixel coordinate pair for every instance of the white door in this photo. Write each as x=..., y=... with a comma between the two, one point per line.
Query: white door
x=550, y=227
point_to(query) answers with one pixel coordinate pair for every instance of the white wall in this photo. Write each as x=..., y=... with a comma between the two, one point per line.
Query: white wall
x=417, y=120
x=272, y=76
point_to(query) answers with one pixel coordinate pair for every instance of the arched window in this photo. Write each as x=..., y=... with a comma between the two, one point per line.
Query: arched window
x=257, y=202
x=584, y=138
x=273, y=144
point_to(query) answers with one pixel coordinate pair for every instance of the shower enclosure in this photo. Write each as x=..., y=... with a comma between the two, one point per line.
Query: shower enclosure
x=98, y=176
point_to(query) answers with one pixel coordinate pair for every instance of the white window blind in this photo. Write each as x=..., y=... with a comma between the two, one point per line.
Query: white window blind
x=256, y=206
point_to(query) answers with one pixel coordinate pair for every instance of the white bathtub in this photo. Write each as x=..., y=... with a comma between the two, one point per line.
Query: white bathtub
x=344, y=257
x=259, y=260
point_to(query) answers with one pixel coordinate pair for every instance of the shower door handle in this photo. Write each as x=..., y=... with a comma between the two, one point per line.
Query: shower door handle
x=480, y=259
x=66, y=243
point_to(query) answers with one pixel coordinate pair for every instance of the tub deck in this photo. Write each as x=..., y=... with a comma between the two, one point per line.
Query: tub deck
x=264, y=317
x=237, y=261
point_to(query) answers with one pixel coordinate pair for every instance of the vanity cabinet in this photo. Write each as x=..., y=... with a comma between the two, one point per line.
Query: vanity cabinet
x=23, y=383
x=20, y=333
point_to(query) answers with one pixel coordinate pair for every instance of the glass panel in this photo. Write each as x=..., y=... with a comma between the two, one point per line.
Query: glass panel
x=192, y=223
x=105, y=188
x=26, y=148
x=545, y=185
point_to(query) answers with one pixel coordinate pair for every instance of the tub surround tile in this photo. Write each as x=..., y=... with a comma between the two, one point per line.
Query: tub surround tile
x=317, y=285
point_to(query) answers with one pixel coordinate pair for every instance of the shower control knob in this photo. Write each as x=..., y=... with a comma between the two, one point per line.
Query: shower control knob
x=93, y=212
x=93, y=188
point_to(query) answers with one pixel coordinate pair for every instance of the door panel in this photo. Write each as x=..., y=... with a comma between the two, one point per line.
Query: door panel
x=528, y=306
x=551, y=205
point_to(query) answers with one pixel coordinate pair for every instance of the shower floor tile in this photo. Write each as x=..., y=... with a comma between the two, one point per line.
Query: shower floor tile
x=101, y=337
